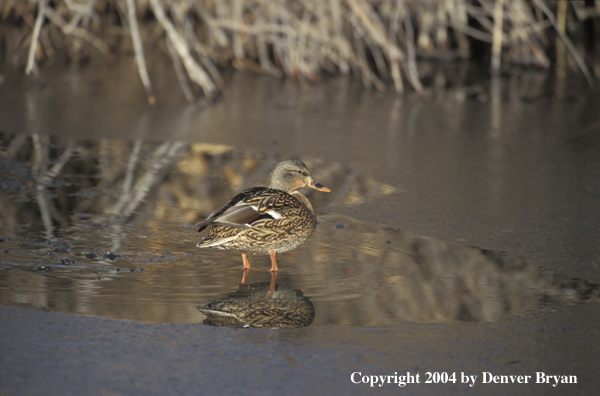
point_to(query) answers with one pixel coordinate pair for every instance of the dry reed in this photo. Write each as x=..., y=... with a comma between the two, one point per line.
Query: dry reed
x=378, y=39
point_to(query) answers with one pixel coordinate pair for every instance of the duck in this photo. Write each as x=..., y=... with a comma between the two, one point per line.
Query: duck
x=265, y=220
x=256, y=305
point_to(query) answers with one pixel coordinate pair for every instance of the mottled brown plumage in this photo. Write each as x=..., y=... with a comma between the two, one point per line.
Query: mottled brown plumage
x=256, y=305
x=265, y=220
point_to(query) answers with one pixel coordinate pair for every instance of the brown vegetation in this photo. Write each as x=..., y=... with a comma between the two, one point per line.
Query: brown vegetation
x=379, y=39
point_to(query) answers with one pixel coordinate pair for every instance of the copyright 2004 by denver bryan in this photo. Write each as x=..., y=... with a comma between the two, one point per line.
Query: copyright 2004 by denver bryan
x=468, y=379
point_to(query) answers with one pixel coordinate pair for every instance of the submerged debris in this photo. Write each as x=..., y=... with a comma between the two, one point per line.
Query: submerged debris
x=111, y=256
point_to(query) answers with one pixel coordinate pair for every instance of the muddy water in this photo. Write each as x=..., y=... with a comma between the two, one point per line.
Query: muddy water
x=96, y=225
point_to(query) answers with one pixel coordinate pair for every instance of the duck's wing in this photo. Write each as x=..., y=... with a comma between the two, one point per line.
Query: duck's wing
x=246, y=207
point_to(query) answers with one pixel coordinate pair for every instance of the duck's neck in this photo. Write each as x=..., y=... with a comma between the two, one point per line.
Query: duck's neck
x=304, y=200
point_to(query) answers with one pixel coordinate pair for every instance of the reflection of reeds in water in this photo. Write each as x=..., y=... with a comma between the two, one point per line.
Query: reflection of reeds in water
x=391, y=275
x=355, y=273
x=253, y=305
x=380, y=40
x=209, y=175
x=125, y=181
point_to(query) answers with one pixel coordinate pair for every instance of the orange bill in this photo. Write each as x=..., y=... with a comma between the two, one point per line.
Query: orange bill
x=317, y=186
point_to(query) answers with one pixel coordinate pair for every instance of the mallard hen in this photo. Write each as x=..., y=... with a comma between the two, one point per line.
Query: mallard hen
x=265, y=220
x=256, y=305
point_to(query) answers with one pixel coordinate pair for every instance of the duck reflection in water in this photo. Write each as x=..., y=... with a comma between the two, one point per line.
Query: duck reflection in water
x=265, y=221
x=261, y=305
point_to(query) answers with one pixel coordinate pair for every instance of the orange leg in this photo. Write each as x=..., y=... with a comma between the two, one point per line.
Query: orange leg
x=273, y=279
x=274, y=268
x=245, y=260
x=245, y=276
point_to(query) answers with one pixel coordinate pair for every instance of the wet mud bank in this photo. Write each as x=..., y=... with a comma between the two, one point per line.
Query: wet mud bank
x=71, y=354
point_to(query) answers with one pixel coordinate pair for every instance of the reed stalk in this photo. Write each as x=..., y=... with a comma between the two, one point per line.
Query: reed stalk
x=382, y=40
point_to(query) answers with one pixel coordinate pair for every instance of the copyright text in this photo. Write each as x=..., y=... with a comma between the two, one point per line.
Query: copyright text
x=485, y=377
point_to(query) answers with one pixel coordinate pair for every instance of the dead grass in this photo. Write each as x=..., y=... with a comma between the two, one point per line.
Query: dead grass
x=380, y=40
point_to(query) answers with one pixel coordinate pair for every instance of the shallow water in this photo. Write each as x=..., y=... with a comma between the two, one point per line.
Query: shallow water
x=89, y=170
x=104, y=228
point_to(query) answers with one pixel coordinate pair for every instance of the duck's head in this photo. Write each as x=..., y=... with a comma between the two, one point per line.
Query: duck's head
x=291, y=175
